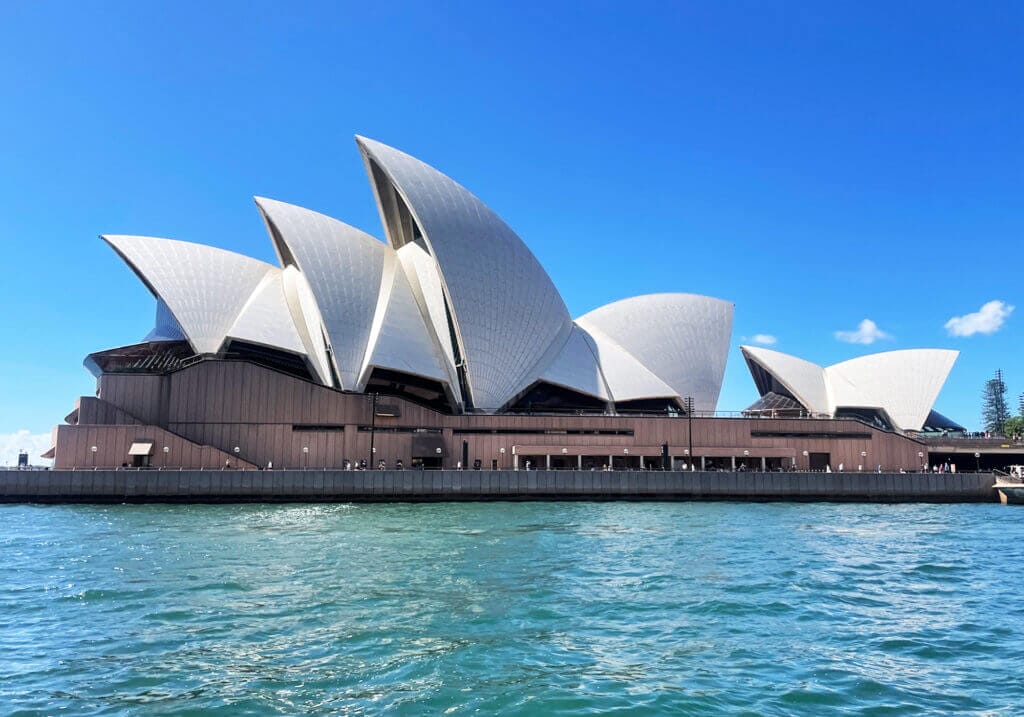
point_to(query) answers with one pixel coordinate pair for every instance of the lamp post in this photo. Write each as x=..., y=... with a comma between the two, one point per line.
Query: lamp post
x=439, y=452
x=237, y=449
x=863, y=459
x=920, y=461
x=92, y=456
x=977, y=462
x=806, y=460
x=167, y=450
x=305, y=457
x=502, y=452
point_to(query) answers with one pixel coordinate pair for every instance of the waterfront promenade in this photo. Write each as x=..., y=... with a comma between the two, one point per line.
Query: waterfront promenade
x=228, y=486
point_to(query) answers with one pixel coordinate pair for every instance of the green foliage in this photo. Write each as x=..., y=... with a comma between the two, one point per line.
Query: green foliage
x=994, y=411
x=1014, y=427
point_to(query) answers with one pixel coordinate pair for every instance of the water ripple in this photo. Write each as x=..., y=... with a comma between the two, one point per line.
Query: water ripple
x=552, y=608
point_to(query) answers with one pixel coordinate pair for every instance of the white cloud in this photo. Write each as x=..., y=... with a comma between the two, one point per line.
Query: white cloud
x=986, y=320
x=34, y=443
x=764, y=339
x=867, y=333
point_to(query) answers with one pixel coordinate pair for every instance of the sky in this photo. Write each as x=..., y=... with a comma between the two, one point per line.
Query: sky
x=849, y=174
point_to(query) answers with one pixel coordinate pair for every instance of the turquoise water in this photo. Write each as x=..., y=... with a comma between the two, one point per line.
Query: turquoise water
x=514, y=608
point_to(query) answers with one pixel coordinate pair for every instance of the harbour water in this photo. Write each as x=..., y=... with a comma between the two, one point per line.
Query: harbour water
x=512, y=608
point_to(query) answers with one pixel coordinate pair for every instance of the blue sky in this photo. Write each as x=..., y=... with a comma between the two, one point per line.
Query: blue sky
x=817, y=164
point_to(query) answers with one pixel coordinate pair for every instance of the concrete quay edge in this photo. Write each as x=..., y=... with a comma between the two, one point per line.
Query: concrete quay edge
x=312, y=485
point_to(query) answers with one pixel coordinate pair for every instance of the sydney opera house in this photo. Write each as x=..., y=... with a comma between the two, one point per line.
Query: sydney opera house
x=447, y=344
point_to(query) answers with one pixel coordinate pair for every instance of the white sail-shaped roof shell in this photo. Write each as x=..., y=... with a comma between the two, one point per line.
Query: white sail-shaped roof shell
x=506, y=312
x=343, y=266
x=306, y=318
x=265, y=318
x=903, y=384
x=425, y=283
x=804, y=380
x=683, y=339
x=577, y=367
x=399, y=337
x=204, y=288
x=165, y=328
x=627, y=379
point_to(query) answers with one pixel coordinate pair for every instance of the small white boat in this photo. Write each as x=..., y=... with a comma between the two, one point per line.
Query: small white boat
x=1011, y=488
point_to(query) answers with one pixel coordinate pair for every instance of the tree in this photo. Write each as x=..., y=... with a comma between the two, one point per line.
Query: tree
x=1014, y=427
x=994, y=411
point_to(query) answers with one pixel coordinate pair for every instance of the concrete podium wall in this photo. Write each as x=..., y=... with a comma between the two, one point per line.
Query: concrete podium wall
x=185, y=486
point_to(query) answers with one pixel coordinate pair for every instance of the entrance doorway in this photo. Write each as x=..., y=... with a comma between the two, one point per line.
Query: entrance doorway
x=819, y=461
x=563, y=463
x=427, y=462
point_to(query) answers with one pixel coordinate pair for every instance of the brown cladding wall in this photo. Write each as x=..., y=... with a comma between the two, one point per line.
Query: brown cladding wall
x=272, y=417
x=74, y=448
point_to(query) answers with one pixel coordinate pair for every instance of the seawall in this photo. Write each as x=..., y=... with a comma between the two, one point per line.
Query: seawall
x=236, y=486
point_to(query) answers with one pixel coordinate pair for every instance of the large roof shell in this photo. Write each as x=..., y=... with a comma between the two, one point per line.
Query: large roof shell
x=399, y=337
x=343, y=266
x=804, y=380
x=903, y=384
x=576, y=366
x=506, y=312
x=203, y=287
x=627, y=379
x=425, y=283
x=307, y=321
x=165, y=328
x=683, y=339
x=265, y=318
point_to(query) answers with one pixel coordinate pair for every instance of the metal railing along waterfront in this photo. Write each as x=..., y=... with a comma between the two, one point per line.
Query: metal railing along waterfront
x=487, y=469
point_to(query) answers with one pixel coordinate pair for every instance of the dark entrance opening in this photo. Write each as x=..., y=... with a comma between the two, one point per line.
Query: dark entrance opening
x=533, y=463
x=563, y=463
x=275, y=359
x=819, y=461
x=419, y=390
x=545, y=397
